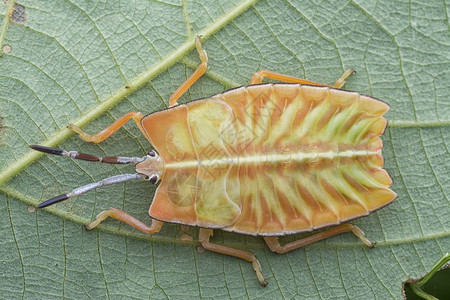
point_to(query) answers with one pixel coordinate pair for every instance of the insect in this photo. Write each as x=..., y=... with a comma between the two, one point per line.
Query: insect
x=266, y=160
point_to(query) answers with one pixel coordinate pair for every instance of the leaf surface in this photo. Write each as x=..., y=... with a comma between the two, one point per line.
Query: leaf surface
x=70, y=62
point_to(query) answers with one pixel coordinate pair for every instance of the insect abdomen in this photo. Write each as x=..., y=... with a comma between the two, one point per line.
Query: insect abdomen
x=278, y=159
x=320, y=157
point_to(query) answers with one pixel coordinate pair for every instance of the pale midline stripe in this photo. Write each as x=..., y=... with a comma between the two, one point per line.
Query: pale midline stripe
x=272, y=158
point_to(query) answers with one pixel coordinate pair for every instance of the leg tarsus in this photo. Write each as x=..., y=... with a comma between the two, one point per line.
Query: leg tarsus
x=201, y=69
x=204, y=236
x=362, y=236
x=108, y=131
x=120, y=215
x=341, y=81
x=274, y=245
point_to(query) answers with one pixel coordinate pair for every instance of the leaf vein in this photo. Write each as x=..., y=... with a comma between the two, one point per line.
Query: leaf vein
x=8, y=208
x=103, y=38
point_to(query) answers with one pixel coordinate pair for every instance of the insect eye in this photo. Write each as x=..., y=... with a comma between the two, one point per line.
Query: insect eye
x=154, y=179
x=151, y=153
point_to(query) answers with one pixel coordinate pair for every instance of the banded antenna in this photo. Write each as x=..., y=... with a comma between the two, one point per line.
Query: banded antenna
x=88, y=187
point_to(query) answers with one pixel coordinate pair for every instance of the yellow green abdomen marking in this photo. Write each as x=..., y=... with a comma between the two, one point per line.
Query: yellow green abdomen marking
x=271, y=159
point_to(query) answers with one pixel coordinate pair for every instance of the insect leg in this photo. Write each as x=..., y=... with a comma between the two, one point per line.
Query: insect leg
x=340, y=82
x=204, y=236
x=201, y=69
x=120, y=215
x=108, y=131
x=258, y=78
x=274, y=244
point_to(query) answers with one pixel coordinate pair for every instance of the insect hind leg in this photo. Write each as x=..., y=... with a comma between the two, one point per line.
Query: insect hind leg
x=341, y=81
x=204, y=236
x=258, y=77
x=274, y=245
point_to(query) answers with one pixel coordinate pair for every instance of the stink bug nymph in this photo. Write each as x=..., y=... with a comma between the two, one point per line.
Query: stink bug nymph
x=265, y=159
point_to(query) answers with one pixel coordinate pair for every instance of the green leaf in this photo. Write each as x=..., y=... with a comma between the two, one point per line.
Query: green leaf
x=417, y=286
x=70, y=62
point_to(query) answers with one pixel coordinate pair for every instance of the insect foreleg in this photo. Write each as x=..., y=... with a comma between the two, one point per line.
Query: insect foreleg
x=120, y=215
x=204, y=236
x=108, y=131
x=274, y=244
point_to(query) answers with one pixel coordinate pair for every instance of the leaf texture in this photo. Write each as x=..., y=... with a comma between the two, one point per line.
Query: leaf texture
x=69, y=62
